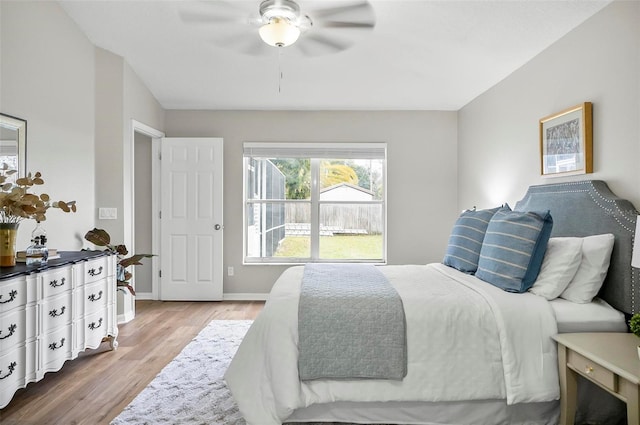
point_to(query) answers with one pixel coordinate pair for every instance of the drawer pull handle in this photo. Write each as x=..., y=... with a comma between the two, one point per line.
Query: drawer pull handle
x=11, y=368
x=588, y=370
x=93, y=272
x=12, y=329
x=93, y=325
x=12, y=296
x=54, y=283
x=54, y=345
x=93, y=297
x=54, y=312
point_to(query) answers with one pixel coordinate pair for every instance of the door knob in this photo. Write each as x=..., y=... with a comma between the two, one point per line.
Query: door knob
x=217, y=227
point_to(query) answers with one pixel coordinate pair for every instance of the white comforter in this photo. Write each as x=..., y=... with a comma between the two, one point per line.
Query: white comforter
x=467, y=340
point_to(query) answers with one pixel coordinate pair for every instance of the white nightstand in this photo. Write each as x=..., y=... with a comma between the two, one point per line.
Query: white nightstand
x=610, y=360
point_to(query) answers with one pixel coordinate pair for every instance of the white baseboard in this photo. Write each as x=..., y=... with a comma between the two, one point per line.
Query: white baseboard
x=125, y=318
x=239, y=296
x=144, y=296
x=233, y=296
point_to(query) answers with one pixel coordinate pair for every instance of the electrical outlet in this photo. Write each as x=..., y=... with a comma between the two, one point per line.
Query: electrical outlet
x=229, y=271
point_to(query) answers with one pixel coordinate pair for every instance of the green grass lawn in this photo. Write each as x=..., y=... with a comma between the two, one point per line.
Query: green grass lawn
x=333, y=247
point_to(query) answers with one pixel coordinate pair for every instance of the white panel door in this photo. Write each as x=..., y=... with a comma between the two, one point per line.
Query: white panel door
x=191, y=219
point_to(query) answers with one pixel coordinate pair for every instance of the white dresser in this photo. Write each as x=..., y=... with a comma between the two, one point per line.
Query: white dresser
x=49, y=314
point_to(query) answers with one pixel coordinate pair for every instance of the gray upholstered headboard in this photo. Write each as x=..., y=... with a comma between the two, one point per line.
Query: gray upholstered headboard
x=590, y=208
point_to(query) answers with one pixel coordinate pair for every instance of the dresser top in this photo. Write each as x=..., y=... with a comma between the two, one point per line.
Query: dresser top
x=66, y=257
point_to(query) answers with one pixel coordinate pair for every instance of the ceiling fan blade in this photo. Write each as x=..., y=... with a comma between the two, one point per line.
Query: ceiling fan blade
x=344, y=24
x=359, y=7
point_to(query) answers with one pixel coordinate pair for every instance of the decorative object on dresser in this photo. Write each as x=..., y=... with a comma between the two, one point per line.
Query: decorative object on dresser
x=566, y=142
x=50, y=313
x=17, y=204
x=101, y=237
x=126, y=292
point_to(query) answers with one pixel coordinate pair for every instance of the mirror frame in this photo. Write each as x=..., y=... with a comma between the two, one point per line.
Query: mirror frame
x=20, y=126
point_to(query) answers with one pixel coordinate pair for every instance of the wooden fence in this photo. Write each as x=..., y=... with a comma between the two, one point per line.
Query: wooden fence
x=341, y=219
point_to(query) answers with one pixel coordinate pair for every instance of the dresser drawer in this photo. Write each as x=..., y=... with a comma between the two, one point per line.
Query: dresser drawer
x=55, y=282
x=95, y=328
x=16, y=327
x=55, y=349
x=95, y=297
x=13, y=294
x=17, y=369
x=96, y=269
x=56, y=311
x=592, y=370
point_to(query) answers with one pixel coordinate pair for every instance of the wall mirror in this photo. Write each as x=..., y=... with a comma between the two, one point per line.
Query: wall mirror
x=13, y=143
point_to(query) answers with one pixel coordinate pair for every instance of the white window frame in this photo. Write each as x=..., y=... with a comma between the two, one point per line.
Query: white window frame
x=315, y=152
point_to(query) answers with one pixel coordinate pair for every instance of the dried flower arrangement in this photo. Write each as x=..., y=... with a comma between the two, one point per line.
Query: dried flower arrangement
x=17, y=203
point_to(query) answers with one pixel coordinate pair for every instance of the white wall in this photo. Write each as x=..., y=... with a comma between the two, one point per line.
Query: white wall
x=599, y=61
x=421, y=174
x=47, y=77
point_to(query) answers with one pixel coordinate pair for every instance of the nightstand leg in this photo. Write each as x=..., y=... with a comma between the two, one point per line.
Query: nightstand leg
x=568, y=388
x=630, y=393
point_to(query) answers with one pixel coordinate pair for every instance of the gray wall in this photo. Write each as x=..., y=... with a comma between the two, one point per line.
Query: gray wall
x=143, y=212
x=78, y=101
x=47, y=77
x=421, y=176
x=599, y=61
x=120, y=98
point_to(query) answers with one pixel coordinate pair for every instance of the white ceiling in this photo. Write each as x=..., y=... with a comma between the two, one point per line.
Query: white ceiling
x=421, y=55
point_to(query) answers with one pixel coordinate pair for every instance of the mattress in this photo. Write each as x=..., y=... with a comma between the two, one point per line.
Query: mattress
x=596, y=316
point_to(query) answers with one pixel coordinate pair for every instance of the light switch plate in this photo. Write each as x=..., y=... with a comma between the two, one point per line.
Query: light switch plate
x=108, y=213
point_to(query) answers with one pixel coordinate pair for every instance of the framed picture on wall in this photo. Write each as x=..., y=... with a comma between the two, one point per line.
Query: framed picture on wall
x=566, y=142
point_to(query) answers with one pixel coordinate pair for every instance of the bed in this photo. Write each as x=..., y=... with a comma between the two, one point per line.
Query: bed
x=476, y=353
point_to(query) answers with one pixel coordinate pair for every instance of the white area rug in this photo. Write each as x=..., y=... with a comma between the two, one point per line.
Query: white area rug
x=190, y=390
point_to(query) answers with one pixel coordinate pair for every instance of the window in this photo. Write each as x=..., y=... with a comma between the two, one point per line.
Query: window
x=314, y=202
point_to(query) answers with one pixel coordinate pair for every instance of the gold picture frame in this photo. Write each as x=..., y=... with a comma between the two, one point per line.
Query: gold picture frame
x=566, y=142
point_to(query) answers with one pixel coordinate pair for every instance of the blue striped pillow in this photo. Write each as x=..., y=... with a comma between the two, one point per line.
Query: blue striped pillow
x=466, y=239
x=513, y=249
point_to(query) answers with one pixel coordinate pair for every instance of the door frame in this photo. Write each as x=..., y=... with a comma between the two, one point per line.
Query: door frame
x=129, y=197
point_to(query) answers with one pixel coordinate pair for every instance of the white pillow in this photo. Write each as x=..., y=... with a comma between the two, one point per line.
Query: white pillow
x=559, y=266
x=596, y=255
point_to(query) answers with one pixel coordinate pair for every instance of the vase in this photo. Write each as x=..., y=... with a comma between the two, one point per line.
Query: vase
x=8, y=232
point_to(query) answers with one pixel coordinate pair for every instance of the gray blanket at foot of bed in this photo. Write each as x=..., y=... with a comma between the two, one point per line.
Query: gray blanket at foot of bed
x=351, y=324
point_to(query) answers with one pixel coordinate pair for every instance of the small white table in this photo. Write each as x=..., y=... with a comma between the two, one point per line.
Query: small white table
x=609, y=360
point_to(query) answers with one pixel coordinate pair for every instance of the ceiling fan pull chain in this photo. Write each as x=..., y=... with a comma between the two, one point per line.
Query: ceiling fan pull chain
x=280, y=69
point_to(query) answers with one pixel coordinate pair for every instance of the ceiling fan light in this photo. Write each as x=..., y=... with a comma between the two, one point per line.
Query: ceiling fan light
x=279, y=32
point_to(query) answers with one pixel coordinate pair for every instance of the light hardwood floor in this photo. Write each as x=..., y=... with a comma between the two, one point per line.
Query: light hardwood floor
x=94, y=388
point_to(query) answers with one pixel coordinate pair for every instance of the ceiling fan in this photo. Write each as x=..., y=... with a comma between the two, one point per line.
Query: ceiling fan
x=319, y=27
